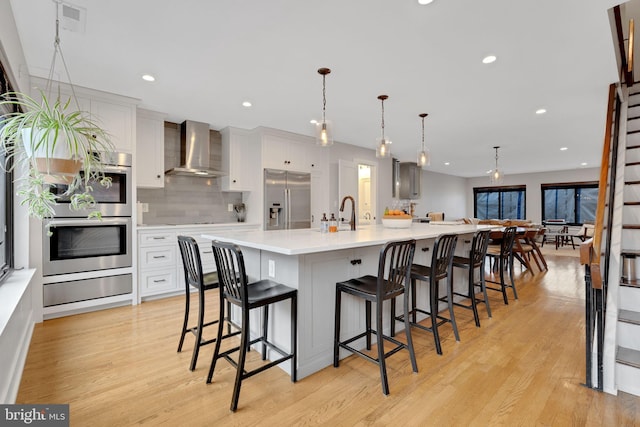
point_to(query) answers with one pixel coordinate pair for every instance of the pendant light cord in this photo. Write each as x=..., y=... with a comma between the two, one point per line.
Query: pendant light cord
x=422, y=133
x=324, y=97
x=383, y=140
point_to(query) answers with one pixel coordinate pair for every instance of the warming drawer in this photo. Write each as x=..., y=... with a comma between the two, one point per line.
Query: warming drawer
x=87, y=289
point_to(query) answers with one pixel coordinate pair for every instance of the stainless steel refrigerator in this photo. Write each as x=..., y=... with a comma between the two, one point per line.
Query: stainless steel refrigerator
x=287, y=199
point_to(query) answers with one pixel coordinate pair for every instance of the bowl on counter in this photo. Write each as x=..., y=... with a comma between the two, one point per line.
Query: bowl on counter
x=397, y=222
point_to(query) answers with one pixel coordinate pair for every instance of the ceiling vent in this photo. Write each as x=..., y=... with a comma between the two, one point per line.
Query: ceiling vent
x=73, y=18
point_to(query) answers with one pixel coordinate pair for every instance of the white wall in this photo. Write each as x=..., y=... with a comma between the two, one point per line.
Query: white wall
x=11, y=50
x=532, y=182
x=14, y=61
x=442, y=193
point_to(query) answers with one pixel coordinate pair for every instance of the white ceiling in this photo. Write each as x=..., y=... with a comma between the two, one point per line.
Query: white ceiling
x=209, y=56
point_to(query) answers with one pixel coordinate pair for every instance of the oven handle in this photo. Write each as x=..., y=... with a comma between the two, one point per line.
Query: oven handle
x=84, y=221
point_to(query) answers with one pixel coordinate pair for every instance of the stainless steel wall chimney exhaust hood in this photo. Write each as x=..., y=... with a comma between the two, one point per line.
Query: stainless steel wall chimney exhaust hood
x=195, y=149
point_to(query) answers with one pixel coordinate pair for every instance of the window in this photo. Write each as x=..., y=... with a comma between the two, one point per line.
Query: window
x=6, y=205
x=500, y=202
x=573, y=202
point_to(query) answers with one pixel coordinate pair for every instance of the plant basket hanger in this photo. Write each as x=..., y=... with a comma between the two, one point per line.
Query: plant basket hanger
x=54, y=140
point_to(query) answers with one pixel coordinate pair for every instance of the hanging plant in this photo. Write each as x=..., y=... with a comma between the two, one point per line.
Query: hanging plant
x=53, y=142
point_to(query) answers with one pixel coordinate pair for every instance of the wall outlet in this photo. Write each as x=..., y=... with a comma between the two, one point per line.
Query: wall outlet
x=230, y=207
x=145, y=207
x=272, y=268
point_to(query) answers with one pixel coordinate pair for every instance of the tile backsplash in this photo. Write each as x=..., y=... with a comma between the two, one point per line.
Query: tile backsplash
x=185, y=199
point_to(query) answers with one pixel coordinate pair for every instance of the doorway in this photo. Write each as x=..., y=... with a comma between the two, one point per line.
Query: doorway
x=358, y=178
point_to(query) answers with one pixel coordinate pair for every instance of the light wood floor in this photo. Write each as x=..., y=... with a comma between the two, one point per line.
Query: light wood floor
x=524, y=366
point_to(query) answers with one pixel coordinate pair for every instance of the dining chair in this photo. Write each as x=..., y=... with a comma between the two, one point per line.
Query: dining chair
x=194, y=278
x=436, y=216
x=394, y=267
x=236, y=289
x=524, y=251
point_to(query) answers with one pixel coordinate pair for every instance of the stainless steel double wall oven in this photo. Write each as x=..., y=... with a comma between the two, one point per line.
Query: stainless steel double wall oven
x=77, y=245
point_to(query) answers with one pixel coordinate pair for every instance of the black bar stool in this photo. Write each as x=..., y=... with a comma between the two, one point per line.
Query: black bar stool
x=393, y=277
x=234, y=288
x=475, y=262
x=193, y=277
x=441, y=268
x=503, y=258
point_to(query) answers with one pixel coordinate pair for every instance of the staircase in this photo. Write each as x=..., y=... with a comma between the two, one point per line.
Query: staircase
x=628, y=328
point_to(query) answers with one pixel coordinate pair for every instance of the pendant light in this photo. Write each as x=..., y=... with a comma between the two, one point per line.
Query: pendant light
x=497, y=176
x=324, y=130
x=383, y=148
x=424, y=159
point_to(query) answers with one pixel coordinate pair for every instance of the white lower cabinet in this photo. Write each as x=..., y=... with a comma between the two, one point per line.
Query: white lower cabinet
x=320, y=274
x=157, y=281
x=160, y=270
x=157, y=262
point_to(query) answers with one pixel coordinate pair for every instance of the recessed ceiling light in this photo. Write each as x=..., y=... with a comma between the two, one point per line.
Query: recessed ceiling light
x=583, y=164
x=447, y=163
x=564, y=148
x=489, y=59
x=246, y=104
x=541, y=111
x=423, y=2
x=148, y=78
x=313, y=121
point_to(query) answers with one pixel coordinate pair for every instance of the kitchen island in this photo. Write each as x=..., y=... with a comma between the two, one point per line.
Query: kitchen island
x=313, y=262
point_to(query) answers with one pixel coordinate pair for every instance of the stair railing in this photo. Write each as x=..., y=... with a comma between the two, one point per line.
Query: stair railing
x=596, y=272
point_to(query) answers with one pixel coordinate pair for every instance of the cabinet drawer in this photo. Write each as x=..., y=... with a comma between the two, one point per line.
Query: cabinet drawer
x=155, y=239
x=206, y=256
x=154, y=257
x=155, y=282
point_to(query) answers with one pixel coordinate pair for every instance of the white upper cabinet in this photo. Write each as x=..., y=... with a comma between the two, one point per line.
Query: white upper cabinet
x=149, y=149
x=115, y=114
x=118, y=119
x=240, y=160
x=284, y=150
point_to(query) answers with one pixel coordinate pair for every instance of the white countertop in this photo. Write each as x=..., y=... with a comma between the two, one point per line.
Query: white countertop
x=306, y=241
x=213, y=226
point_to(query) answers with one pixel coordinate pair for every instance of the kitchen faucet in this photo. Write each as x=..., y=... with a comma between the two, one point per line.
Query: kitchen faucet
x=352, y=223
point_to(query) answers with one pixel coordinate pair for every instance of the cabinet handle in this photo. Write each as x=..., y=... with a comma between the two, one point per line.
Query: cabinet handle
x=234, y=181
x=158, y=176
x=159, y=256
x=467, y=241
x=356, y=261
x=160, y=281
x=425, y=249
x=158, y=238
x=207, y=252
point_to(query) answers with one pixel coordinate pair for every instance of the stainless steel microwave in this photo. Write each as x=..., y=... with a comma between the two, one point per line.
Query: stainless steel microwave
x=115, y=200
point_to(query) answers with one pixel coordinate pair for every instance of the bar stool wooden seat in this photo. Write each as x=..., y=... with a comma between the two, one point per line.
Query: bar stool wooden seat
x=441, y=268
x=475, y=262
x=194, y=278
x=235, y=288
x=503, y=257
x=392, y=280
